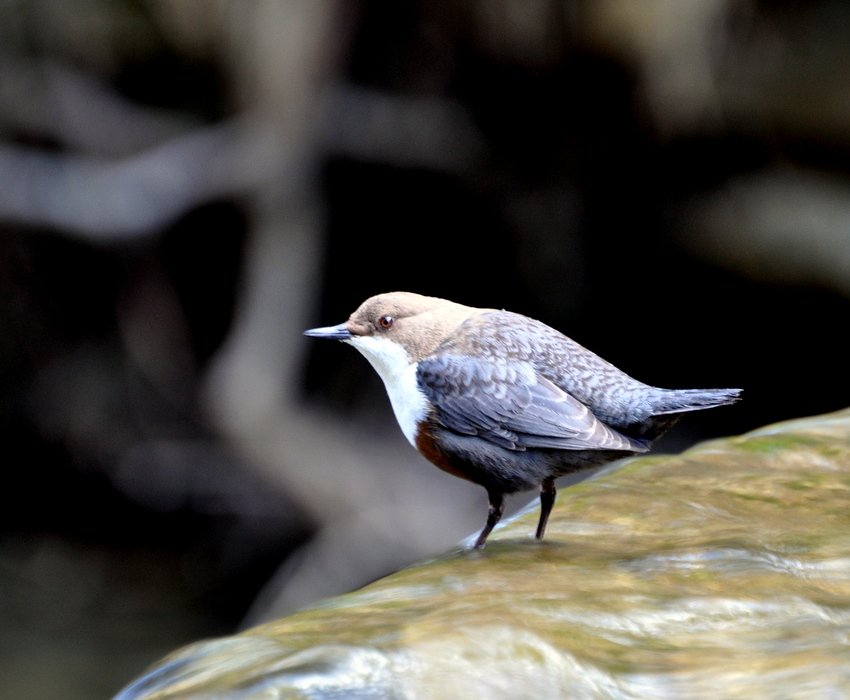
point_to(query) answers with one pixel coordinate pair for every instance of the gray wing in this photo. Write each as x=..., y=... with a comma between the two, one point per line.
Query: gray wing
x=512, y=406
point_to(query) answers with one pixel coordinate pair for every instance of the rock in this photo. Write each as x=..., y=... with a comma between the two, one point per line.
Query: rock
x=723, y=572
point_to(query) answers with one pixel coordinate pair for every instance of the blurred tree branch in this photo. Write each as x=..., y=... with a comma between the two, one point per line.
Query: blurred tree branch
x=85, y=161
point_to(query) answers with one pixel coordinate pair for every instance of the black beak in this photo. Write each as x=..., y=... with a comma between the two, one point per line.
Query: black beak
x=339, y=332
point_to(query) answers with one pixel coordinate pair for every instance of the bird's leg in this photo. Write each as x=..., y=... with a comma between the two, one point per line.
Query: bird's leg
x=497, y=505
x=547, y=500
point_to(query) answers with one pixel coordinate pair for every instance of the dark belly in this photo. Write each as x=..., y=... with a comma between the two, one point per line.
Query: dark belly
x=500, y=470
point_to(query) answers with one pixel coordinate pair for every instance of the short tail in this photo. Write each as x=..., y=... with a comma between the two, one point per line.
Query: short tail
x=682, y=400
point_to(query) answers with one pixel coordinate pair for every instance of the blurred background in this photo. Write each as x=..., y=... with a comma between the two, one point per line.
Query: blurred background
x=186, y=185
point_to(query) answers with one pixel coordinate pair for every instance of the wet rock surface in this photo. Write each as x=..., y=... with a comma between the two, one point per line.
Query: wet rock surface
x=720, y=572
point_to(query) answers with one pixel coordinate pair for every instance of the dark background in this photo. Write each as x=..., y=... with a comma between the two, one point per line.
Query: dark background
x=185, y=187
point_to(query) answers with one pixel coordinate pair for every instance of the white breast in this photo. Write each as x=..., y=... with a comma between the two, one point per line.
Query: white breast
x=393, y=365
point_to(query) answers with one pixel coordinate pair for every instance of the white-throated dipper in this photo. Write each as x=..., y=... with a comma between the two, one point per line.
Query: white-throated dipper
x=506, y=401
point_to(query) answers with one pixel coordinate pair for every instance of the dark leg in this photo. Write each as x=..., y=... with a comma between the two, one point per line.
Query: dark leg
x=547, y=499
x=497, y=505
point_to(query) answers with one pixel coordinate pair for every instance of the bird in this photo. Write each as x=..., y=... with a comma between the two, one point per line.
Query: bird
x=506, y=401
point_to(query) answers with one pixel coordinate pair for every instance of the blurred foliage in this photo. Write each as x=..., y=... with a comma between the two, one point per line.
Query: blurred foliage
x=185, y=185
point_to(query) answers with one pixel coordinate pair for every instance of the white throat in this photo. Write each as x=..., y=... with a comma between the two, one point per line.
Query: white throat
x=393, y=365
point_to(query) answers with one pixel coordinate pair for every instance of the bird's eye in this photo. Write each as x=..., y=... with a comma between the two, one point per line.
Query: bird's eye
x=386, y=322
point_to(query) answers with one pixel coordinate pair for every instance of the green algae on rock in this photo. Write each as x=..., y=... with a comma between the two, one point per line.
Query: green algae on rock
x=720, y=572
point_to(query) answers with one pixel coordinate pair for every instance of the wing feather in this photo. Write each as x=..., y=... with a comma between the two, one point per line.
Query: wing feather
x=511, y=405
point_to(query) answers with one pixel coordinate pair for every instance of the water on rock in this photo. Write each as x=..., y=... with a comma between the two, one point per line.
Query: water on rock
x=723, y=572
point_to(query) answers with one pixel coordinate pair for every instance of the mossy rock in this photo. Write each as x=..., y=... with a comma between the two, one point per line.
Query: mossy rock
x=723, y=572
